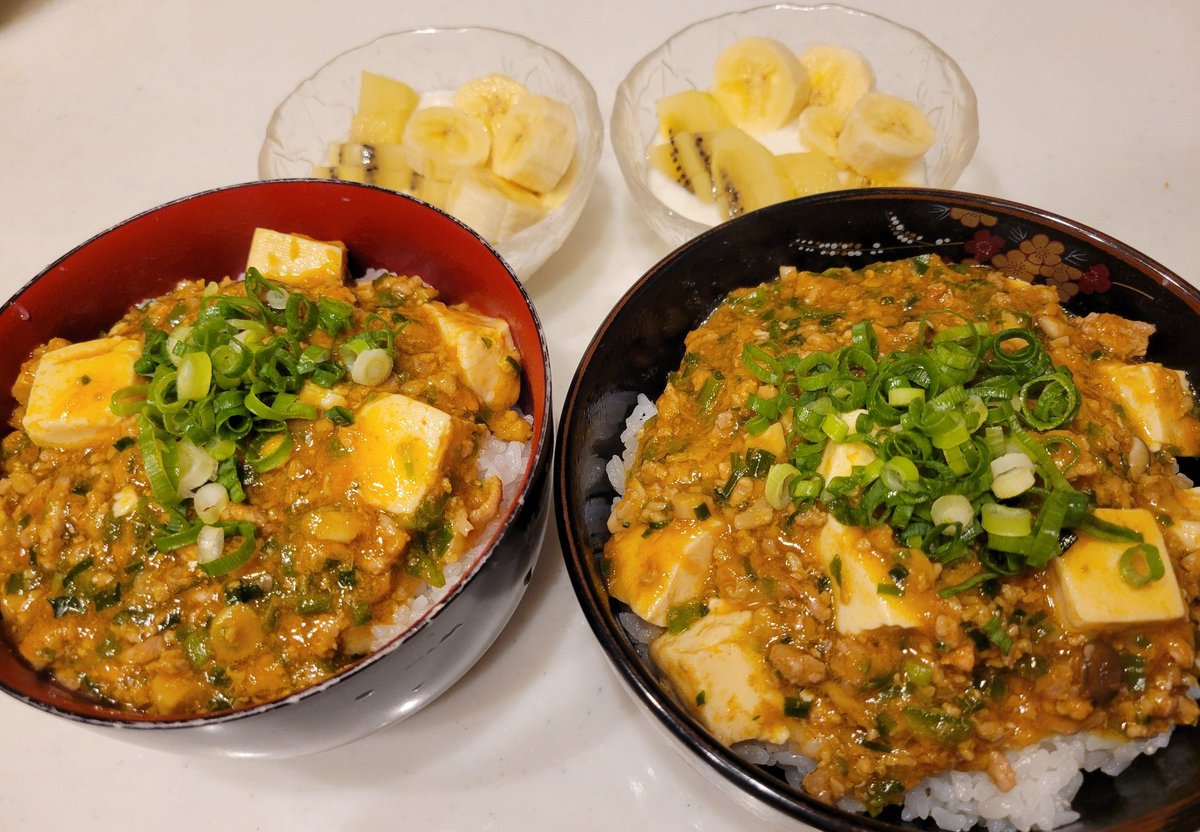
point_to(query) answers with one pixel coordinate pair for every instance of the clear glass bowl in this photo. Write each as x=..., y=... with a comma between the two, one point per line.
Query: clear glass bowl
x=906, y=64
x=319, y=110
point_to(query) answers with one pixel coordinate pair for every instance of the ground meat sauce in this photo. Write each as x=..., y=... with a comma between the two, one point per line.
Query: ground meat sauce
x=88, y=598
x=881, y=710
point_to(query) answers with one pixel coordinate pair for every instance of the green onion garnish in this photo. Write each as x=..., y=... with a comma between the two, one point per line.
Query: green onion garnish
x=1141, y=564
x=218, y=394
x=956, y=471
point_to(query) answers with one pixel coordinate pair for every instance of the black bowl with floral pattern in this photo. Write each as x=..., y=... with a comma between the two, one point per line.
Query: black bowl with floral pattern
x=641, y=341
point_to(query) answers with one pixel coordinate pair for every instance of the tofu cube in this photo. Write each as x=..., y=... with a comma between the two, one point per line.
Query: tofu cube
x=1186, y=526
x=1158, y=405
x=482, y=347
x=69, y=402
x=1089, y=590
x=397, y=450
x=296, y=260
x=840, y=458
x=771, y=440
x=664, y=569
x=721, y=674
x=856, y=571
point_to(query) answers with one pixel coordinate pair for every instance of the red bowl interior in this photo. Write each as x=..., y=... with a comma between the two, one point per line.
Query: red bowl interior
x=208, y=236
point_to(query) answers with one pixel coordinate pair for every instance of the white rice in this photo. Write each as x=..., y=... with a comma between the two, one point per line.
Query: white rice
x=1048, y=776
x=1049, y=773
x=505, y=460
x=618, y=465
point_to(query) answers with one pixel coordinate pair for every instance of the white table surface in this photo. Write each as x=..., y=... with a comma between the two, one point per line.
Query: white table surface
x=1089, y=108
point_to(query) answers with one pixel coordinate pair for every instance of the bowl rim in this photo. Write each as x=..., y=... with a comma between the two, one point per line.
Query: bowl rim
x=643, y=195
x=692, y=739
x=592, y=141
x=538, y=457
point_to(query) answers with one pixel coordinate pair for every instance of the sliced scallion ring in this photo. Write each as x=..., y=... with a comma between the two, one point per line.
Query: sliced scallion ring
x=1141, y=564
x=195, y=376
x=371, y=367
x=1006, y=521
x=952, y=509
x=779, y=477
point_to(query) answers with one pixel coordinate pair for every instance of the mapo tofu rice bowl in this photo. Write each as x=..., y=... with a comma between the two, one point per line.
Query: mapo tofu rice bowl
x=917, y=535
x=243, y=487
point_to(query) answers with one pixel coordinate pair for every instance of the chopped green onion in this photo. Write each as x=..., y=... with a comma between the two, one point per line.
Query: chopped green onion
x=757, y=425
x=195, y=376
x=778, y=479
x=210, y=500
x=161, y=484
x=758, y=462
x=918, y=672
x=175, y=344
x=835, y=428
x=371, y=367
x=760, y=364
x=339, y=416
x=270, y=452
x=680, y=617
x=1093, y=526
x=229, y=561
x=1141, y=564
x=1006, y=521
x=77, y=570
x=129, y=400
x=807, y=489
x=952, y=509
x=904, y=396
x=1012, y=475
x=997, y=635
x=314, y=603
x=709, y=391
x=196, y=467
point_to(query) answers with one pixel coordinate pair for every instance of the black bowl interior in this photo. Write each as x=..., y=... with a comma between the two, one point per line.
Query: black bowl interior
x=641, y=341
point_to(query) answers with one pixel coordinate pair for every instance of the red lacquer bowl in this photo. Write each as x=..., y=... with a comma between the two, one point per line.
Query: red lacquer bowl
x=208, y=236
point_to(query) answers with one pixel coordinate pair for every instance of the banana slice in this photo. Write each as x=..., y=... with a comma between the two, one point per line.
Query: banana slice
x=439, y=141
x=496, y=209
x=690, y=111
x=839, y=77
x=746, y=175
x=810, y=173
x=760, y=84
x=687, y=160
x=555, y=198
x=489, y=98
x=534, y=143
x=884, y=136
x=819, y=128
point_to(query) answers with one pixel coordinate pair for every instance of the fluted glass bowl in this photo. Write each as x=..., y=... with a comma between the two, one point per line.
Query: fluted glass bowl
x=906, y=65
x=318, y=112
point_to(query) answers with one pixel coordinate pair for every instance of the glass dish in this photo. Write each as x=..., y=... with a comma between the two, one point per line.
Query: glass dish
x=318, y=111
x=906, y=65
